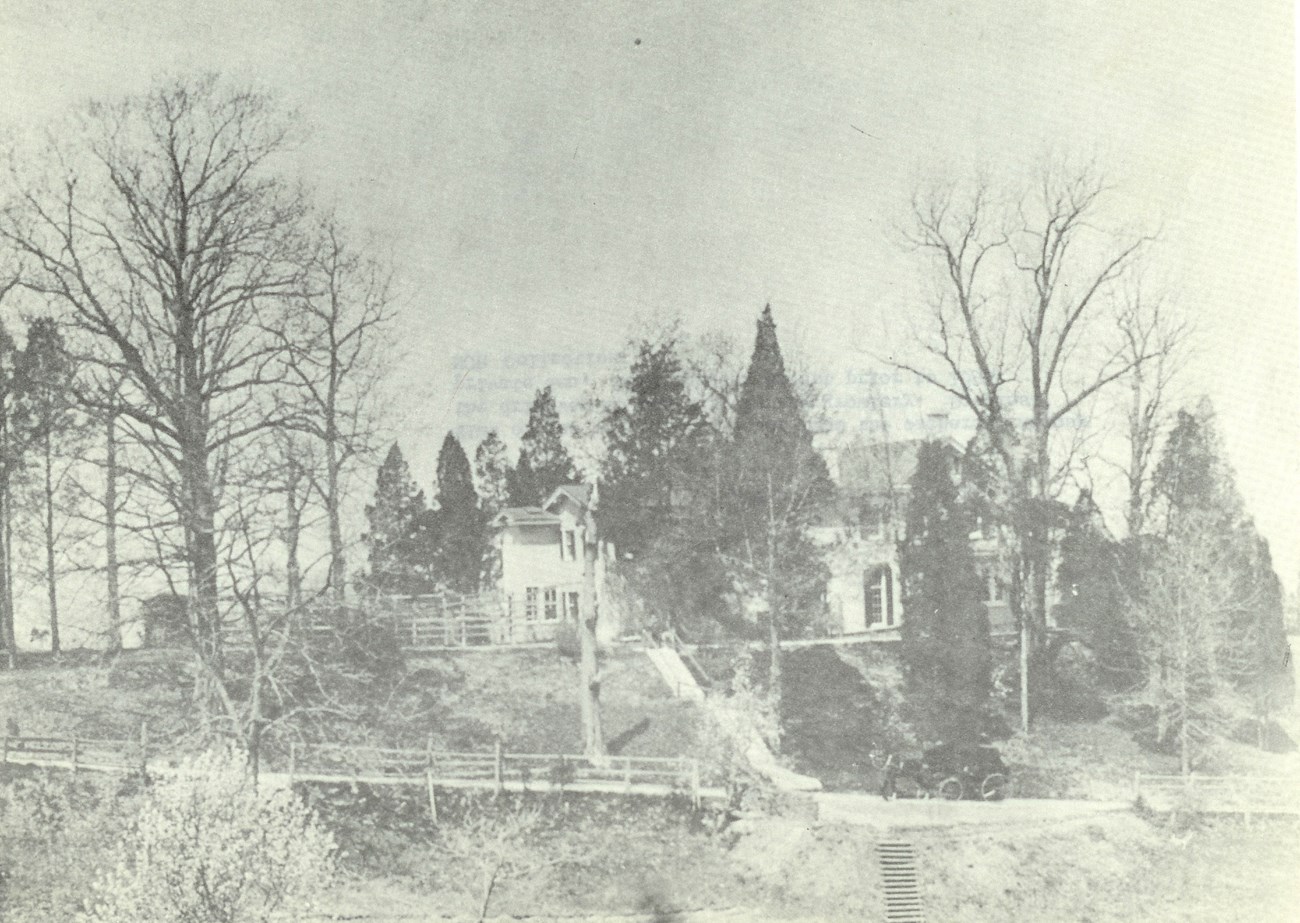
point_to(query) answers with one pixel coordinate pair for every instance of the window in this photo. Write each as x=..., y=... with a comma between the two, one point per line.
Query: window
x=552, y=604
x=569, y=545
x=993, y=589
x=530, y=604
x=574, y=606
x=878, y=588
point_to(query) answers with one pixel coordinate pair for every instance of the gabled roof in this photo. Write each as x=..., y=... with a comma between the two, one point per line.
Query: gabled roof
x=546, y=514
x=578, y=494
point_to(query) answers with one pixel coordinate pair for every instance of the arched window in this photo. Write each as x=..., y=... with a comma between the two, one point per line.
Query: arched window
x=878, y=590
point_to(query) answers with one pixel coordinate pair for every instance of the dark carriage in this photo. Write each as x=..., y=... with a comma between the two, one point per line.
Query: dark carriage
x=948, y=771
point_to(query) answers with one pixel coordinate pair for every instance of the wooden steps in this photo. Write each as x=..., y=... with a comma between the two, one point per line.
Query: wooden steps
x=902, y=889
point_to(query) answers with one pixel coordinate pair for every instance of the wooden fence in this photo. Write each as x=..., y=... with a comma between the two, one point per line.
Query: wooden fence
x=1218, y=794
x=494, y=769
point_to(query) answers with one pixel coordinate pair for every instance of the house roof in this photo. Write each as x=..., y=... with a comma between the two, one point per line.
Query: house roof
x=544, y=515
x=880, y=469
x=577, y=493
x=525, y=516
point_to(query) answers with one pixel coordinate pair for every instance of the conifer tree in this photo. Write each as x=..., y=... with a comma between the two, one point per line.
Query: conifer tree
x=45, y=376
x=1197, y=501
x=651, y=442
x=1093, y=579
x=491, y=473
x=397, y=562
x=776, y=486
x=945, y=635
x=460, y=524
x=544, y=462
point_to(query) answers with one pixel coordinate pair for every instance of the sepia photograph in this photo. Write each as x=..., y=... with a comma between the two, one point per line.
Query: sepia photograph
x=649, y=462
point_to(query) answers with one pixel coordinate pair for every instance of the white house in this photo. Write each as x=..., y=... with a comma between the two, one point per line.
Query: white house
x=542, y=550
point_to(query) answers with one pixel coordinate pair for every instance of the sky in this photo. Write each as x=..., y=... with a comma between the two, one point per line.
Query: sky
x=541, y=175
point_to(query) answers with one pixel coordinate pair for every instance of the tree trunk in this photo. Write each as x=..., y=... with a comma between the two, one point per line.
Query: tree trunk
x=293, y=533
x=51, y=578
x=593, y=736
x=338, y=571
x=201, y=554
x=10, y=639
x=773, y=610
x=110, y=535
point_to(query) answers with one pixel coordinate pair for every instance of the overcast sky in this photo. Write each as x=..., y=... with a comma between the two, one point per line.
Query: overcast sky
x=541, y=172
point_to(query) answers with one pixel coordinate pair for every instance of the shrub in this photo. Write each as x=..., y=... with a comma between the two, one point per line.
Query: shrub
x=210, y=847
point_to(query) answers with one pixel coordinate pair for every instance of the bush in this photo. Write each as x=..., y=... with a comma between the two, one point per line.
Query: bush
x=210, y=847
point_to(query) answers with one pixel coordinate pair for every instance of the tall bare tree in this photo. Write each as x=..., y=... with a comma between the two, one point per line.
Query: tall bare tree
x=168, y=237
x=1155, y=339
x=1021, y=332
x=341, y=327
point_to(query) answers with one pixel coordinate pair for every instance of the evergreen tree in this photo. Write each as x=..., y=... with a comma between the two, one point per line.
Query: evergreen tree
x=1204, y=520
x=1092, y=576
x=48, y=419
x=544, y=462
x=460, y=524
x=775, y=486
x=491, y=473
x=398, y=562
x=13, y=445
x=945, y=636
x=650, y=443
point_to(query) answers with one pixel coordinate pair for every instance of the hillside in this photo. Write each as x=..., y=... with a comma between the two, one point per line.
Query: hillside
x=526, y=697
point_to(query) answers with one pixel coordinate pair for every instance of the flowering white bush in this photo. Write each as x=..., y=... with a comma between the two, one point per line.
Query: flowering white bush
x=209, y=847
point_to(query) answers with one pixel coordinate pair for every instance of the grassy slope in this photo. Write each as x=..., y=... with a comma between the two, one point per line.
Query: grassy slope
x=527, y=697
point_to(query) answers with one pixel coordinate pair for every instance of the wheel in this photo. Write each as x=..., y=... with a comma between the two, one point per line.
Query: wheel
x=994, y=787
x=950, y=789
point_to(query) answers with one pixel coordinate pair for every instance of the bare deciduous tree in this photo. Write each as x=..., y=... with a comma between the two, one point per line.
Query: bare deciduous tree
x=1194, y=635
x=1021, y=334
x=1155, y=340
x=168, y=238
x=334, y=345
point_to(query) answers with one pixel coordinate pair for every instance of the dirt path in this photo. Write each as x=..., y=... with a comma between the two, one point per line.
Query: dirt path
x=873, y=811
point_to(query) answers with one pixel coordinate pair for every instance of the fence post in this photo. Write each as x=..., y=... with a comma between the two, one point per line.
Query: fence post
x=293, y=760
x=428, y=753
x=627, y=772
x=74, y=753
x=695, y=783
x=144, y=747
x=498, y=770
x=433, y=798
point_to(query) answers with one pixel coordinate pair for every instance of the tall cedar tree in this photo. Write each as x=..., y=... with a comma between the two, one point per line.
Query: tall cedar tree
x=398, y=561
x=658, y=497
x=544, y=462
x=776, y=485
x=650, y=442
x=945, y=637
x=1093, y=576
x=491, y=474
x=461, y=526
x=12, y=446
x=1193, y=485
x=46, y=375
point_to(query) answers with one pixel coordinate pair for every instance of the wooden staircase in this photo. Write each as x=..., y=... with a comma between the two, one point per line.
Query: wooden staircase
x=902, y=890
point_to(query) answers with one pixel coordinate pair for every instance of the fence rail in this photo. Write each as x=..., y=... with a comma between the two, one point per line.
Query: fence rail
x=497, y=768
x=1218, y=794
